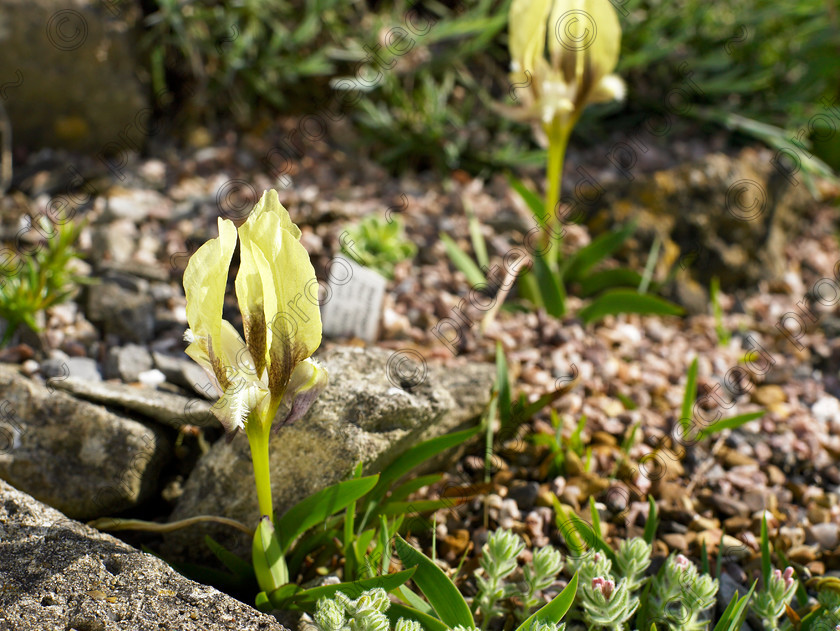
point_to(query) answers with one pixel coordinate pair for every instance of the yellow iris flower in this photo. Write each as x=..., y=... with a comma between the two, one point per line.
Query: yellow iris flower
x=277, y=294
x=563, y=52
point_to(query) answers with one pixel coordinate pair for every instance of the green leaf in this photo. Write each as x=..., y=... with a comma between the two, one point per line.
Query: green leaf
x=463, y=262
x=419, y=506
x=415, y=457
x=730, y=423
x=502, y=385
x=554, y=611
x=305, y=599
x=652, y=523
x=269, y=563
x=478, y=243
x=618, y=301
x=608, y=279
x=736, y=612
x=407, y=488
x=441, y=592
x=238, y=566
x=552, y=292
x=531, y=199
x=689, y=396
x=316, y=508
x=766, y=561
x=429, y=623
x=584, y=259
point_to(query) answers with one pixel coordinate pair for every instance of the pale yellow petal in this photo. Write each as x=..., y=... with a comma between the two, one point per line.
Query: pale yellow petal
x=308, y=381
x=270, y=203
x=527, y=31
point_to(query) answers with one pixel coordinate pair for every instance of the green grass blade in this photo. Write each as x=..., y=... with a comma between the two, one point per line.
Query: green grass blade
x=766, y=561
x=407, y=488
x=316, y=508
x=441, y=592
x=502, y=385
x=463, y=262
x=618, y=301
x=689, y=396
x=652, y=523
x=730, y=423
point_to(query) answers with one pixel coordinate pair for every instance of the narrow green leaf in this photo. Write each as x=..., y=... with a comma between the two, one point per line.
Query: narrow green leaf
x=416, y=507
x=441, y=592
x=736, y=612
x=608, y=279
x=531, y=199
x=596, y=518
x=269, y=564
x=407, y=488
x=238, y=566
x=766, y=561
x=305, y=599
x=416, y=602
x=652, y=523
x=554, y=611
x=316, y=508
x=463, y=262
x=415, y=457
x=477, y=239
x=704, y=559
x=618, y=301
x=600, y=248
x=429, y=623
x=502, y=385
x=730, y=423
x=552, y=292
x=689, y=396
x=561, y=518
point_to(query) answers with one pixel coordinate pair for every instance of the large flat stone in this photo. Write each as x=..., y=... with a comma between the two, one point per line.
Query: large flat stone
x=59, y=575
x=363, y=416
x=73, y=455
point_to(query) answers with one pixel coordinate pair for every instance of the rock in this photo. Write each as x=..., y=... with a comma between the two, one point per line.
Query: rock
x=136, y=205
x=75, y=456
x=826, y=409
x=127, y=362
x=360, y=417
x=60, y=574
x=71, y=77
x=186, y=373
x=524, y=494
x=769, y=395
x=827, y=535
x=126, y=314
x=167, y=408
x=83, y=368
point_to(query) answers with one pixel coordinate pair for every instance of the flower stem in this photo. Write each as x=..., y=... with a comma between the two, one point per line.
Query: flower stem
x=258, y=440
x=558, y=140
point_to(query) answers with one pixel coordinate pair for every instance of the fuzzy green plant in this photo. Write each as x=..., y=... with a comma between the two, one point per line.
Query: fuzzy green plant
x=770, y=603
x=33, y=282
x=377, y=244
x=680, y=595
x=498, y=560
x=606, y=604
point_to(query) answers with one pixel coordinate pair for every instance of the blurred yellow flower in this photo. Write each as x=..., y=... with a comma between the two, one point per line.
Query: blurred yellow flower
x=563, y=52
x=277, y=294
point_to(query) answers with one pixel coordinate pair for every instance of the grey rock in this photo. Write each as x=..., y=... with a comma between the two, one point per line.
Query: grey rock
x=127, y=314
x=60, y=574
x=135, y=204
x=70, y=76
x=82, y=368
x=75, y=456
x=361, y=417
x=167, y=408
x=186, y=373
x=827, y=535
x=127, y=362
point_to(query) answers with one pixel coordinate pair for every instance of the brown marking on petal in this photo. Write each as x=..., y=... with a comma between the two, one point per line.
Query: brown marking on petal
x=284, y=355
x=219, y=370
x=255, y=337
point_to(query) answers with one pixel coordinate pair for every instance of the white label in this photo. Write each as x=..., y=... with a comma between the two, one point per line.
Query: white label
x=354, y=302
